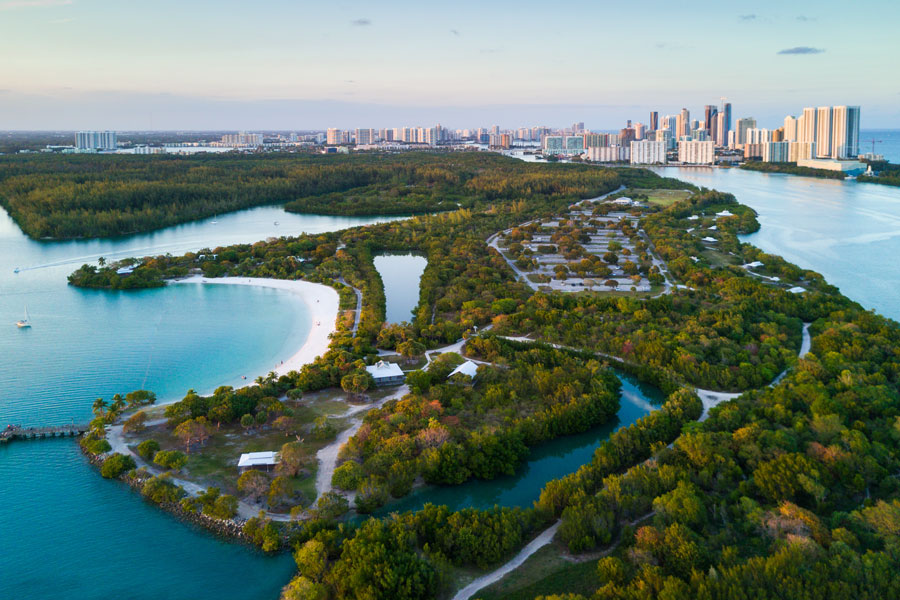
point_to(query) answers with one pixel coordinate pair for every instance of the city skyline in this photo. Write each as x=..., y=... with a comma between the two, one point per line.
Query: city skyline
x=287, y=66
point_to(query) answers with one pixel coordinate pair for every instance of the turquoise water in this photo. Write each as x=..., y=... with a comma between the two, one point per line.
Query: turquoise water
x=552, y=460
x=400, y=274
x=64, y=531
x=848, y=231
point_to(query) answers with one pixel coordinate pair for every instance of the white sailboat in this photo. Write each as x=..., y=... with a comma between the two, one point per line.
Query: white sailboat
x=23, y=323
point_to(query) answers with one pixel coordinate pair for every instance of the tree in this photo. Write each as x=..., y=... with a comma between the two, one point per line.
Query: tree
x=247, y=421
x=312, y=560
x=410, y=349
x=347, y=476
x=99, y=407
x=136, y=422
x=118, y=403
x=284, y=423
x=356, y=383
x=262, y=417
x=293, y=457
x=329, y=506
x=280, y=491
x=193, y=431
x=253, y=483
x=220, y=413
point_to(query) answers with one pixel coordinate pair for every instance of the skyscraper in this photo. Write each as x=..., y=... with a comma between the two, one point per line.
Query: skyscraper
x=654, y=120
x=790, y=128
x=806, y=126
x=726, y=110
x=683, y=126
x=845, y=132
x=333, y=137
x=721, y=138
x=741, y=128
x=709, y=113
x=823, y=132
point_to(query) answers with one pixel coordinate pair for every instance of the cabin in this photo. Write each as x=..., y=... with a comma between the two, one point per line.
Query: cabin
x=386, y=373
x=468, y=368
x=261, y=461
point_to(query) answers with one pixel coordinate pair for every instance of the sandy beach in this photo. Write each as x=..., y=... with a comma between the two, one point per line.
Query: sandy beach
x=321, y=300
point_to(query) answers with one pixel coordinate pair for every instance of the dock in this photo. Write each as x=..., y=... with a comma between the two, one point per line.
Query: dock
x=15, y=432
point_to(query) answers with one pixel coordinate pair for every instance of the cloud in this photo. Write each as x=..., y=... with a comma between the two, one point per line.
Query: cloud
x=454, y=32
x=802, y=50
x=489, y=51
x=748, y=17
x=361, y=22
x=805, y=19
x=17, y=4
x=60, y=21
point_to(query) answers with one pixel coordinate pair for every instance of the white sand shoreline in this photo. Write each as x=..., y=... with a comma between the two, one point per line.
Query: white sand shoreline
x=321, y=300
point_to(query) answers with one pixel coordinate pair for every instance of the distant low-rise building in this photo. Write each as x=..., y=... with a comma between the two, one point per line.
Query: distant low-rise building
x=850, y=167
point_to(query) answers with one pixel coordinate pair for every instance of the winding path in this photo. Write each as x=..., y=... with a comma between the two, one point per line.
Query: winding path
x=712, y=399
x=328, y=455
x=533, y=546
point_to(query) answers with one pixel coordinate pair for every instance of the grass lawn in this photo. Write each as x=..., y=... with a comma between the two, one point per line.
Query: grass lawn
x=215, y=462
x=663, y=197
x=545, y=572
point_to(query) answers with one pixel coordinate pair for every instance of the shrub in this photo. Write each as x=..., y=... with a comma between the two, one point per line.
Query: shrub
x=116, y=464
x=347, y=476
x=148, y=449
x=170, y=459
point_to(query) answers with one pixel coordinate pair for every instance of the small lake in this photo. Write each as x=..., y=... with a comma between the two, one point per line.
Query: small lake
x=551, y=460
x=400, y=274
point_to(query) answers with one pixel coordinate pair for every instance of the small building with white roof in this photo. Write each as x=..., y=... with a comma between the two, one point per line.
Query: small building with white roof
x=386, y=373
x=467, y=368
x=261, y=461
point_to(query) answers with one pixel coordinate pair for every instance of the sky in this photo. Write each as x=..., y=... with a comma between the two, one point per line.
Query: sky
x=297, y=64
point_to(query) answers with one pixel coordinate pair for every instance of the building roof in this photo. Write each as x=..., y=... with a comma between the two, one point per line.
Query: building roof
x=467, y=368
x=253, y=459
x=382, y=369
x=710, y=239
x=724, y=213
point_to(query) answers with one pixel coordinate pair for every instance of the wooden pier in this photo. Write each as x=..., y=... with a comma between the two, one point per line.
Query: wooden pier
x=33, y=433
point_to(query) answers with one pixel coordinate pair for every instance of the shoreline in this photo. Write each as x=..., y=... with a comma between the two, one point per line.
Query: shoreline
x=321, y=300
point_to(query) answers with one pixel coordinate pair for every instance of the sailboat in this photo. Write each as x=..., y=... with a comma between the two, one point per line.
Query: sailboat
x=215, y=218
x=23, y=323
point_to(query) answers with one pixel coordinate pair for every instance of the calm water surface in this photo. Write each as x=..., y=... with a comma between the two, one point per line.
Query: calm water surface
x=552, y=460
x=64, y=531
x=400, y=274
x=848, y=231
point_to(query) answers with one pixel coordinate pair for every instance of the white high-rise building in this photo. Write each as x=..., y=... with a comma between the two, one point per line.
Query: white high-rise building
x=801, y=151
x=757, y=136
x=334, y=137
x=806, y=125
x=721, y=130
x=790, y=128
x=365, y=136
x=646, y=152
x=741, y=128
x=823, y=131
x=778, y=152
x=696, y=153
x=96, y=140
x=845, y=132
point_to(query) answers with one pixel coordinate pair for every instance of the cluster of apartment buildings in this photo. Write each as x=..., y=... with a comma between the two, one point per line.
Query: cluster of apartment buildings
x=96, y=141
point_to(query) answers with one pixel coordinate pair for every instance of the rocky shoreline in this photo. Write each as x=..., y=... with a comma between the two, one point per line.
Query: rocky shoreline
x=231, y=529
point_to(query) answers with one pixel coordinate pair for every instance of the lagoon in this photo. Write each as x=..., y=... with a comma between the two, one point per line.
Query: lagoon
x=65, y=531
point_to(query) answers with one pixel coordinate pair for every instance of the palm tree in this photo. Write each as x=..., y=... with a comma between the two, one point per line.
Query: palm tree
x=118, y=403
x=100, y=406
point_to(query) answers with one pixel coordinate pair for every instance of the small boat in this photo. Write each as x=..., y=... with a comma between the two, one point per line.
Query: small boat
x=215, y=219
x=16, y=270
x=24, y=323
x=276, y=223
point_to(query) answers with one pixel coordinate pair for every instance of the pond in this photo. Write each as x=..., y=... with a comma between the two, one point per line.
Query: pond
x=401, y=274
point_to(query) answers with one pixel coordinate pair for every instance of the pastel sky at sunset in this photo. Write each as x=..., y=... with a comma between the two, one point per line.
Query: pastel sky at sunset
x=279, y=64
